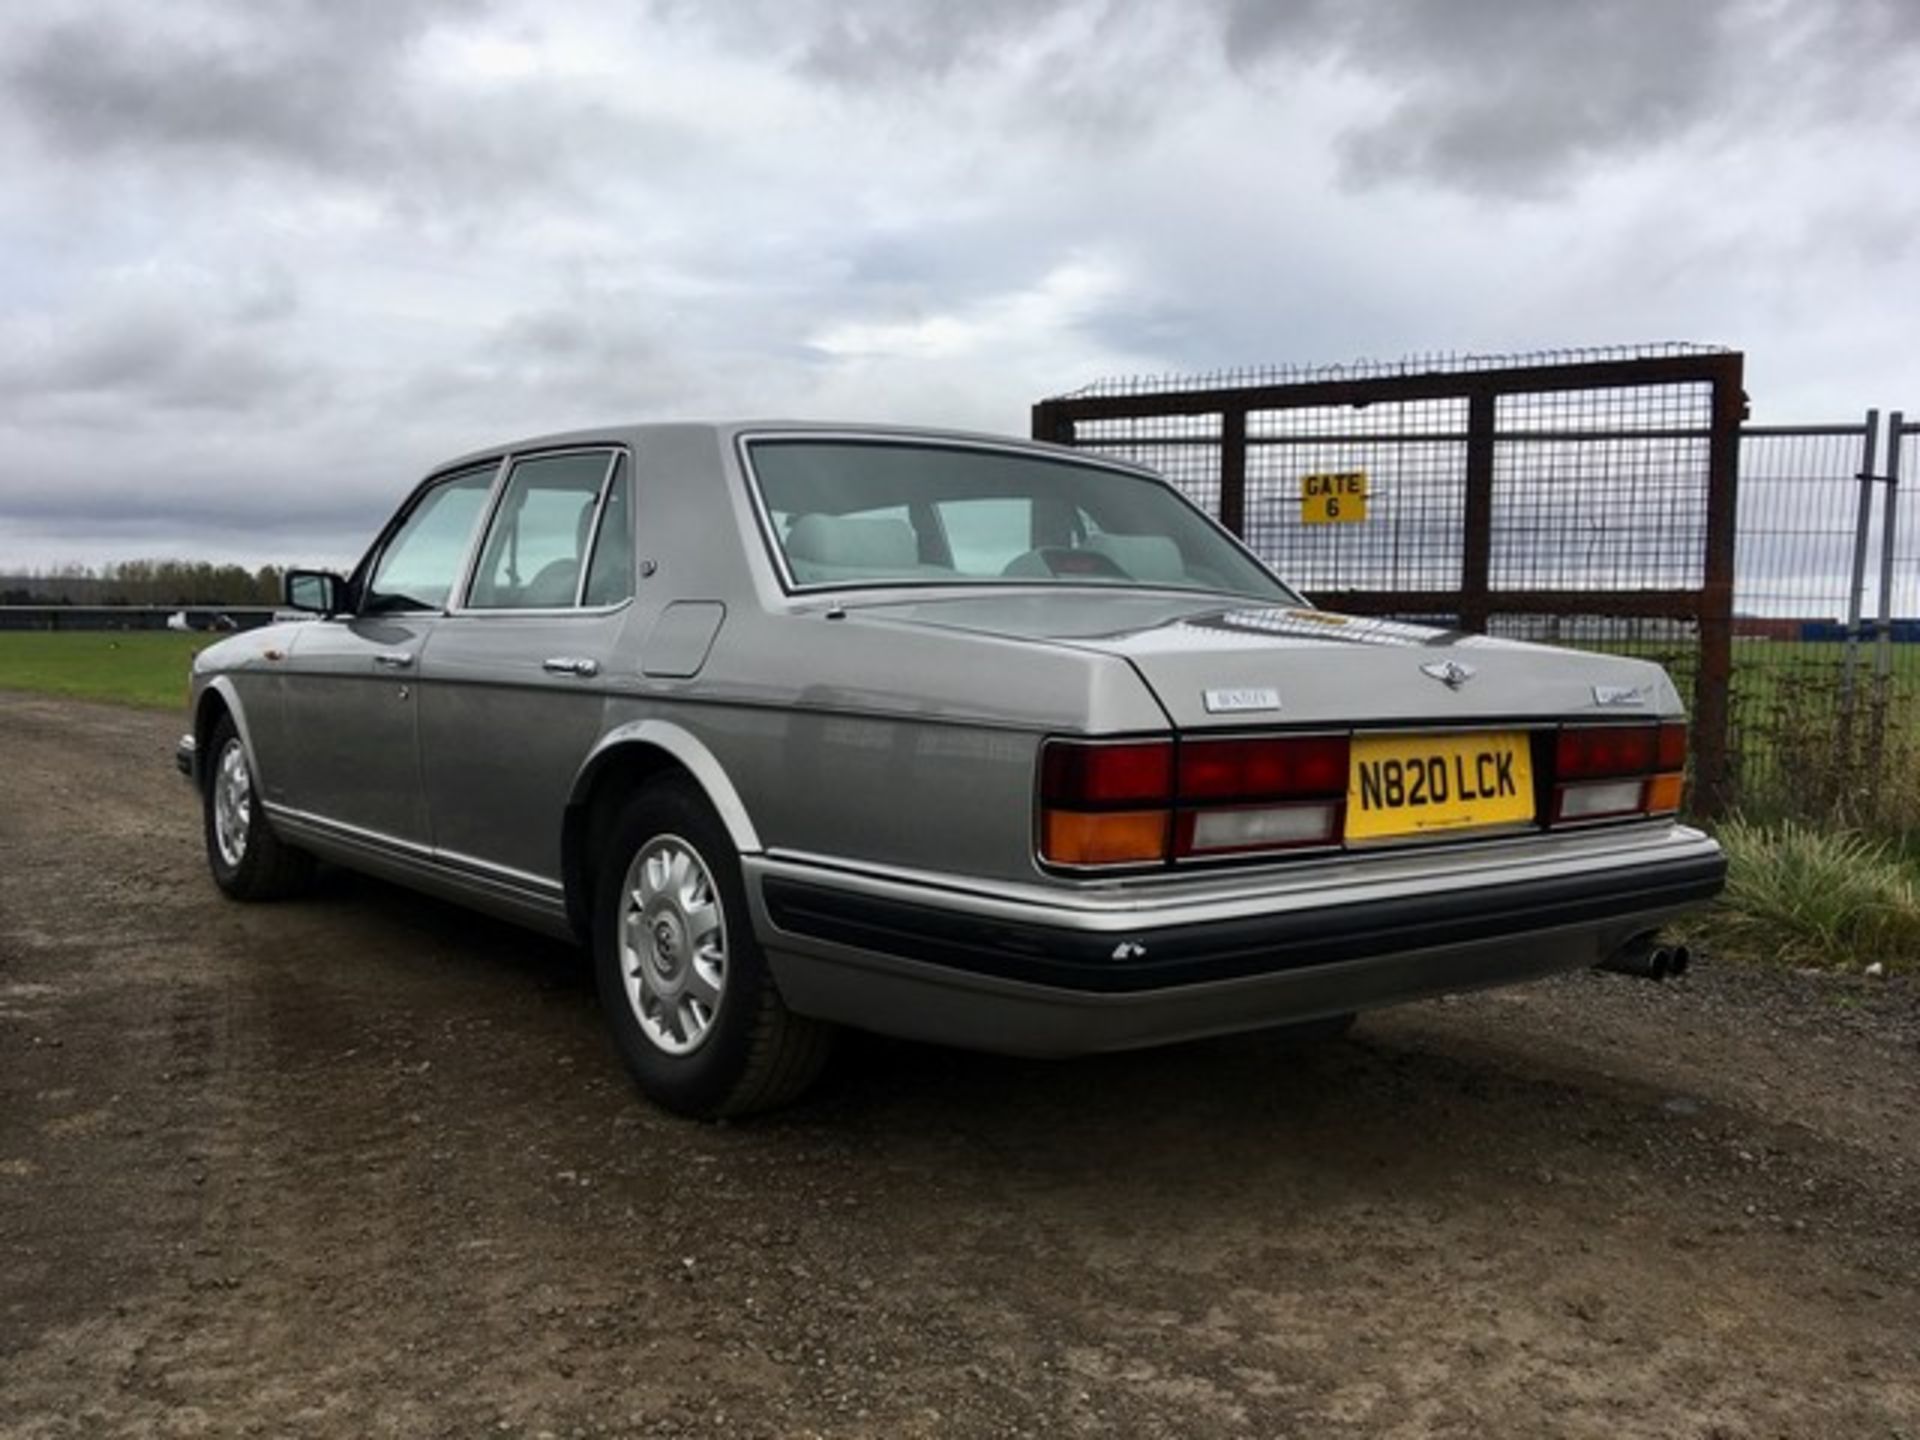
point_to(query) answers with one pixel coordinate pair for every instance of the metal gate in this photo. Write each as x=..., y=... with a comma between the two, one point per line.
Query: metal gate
x=1589, y=498
x=1825, y=669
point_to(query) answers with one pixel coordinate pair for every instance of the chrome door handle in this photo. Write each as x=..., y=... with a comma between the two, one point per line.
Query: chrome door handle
x=393, y=659
x=570, y=665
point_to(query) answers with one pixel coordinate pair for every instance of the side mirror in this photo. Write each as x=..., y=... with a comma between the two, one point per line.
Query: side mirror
x=320, y=592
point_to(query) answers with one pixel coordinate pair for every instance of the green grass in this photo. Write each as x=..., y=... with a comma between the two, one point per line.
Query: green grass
x=1800, y=895
x=1794, y=753
x=126, y=667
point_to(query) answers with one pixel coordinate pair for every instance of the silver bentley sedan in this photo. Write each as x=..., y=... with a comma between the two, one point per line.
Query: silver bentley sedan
x=939, y=735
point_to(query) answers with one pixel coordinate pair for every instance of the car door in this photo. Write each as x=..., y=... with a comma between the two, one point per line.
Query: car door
x=351, y=685
x=514, y=688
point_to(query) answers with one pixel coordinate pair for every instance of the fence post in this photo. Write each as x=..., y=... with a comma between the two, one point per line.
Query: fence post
x=1712, y=706
x=1883, y=637
x=1052, y=424
x=1857, y=584
x=1883, y=642
x=1233, y=469
x=1476, y=541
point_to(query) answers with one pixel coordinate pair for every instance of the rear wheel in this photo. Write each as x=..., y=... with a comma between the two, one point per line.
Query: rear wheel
x=248, y=860
x=685, y=986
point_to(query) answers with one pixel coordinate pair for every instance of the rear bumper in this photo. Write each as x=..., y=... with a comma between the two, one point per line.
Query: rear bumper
x=186, y=757
x=1113, y=972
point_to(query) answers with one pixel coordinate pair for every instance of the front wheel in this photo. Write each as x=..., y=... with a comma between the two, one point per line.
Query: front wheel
x=685, y=986
x=249, y=861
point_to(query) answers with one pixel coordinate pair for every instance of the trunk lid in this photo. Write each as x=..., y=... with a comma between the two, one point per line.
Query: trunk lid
x=1221, y=666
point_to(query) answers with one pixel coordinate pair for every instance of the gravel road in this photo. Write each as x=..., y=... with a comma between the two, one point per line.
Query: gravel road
x=364, y=1165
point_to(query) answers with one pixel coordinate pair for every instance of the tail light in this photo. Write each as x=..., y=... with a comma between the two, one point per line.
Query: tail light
x=1105, y=803
x=1603, y=772
x=1239, y=796
x=1145, y=802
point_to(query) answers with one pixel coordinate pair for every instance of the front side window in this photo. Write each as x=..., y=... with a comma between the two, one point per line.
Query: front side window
x=854, y=512
x=537, y=544
x=421, y=561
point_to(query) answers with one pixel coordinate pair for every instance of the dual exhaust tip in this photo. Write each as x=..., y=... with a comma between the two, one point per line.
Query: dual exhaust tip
x=1647, y=958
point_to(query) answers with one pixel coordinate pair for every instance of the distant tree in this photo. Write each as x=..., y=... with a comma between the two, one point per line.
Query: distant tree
x=169, y=582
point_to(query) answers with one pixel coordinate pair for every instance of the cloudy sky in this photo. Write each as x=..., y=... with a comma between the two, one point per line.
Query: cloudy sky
x=261, y=263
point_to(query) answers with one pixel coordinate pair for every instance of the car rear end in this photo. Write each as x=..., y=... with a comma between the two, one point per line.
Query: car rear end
x=1232, y=876
x=1209, y=806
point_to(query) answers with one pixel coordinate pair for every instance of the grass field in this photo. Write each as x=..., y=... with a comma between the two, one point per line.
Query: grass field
x=128, y=667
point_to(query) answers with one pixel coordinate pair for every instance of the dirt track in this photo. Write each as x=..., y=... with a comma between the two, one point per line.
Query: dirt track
x=363, y=1165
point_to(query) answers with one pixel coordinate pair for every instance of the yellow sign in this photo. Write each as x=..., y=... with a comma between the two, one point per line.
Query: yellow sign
x=1420, y=784
x=1336, y=499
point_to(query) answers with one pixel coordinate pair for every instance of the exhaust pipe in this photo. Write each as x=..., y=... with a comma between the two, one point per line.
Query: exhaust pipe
x=1645, y=957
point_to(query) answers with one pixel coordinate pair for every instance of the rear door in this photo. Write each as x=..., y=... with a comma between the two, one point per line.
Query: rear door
x=515, y=686
x=352, y=682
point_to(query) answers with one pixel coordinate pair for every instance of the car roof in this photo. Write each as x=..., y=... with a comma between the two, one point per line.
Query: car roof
x=724, y=432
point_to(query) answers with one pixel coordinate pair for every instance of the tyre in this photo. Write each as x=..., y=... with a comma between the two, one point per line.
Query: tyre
x=687, y=993
x=248, y=860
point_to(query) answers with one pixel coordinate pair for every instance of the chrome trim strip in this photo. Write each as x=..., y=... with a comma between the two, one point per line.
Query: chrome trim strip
x=222, y=685
x=549, y=612
x=452, y=862
x=686, y=747
x=614, y=458
x=1188, y=901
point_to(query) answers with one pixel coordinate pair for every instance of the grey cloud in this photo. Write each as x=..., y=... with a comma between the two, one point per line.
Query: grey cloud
x=322, y=88
x=300, y=81
x=1502, y=97
x=863, y=44
x=88, y=493
x=1510, y=98
x=1516, y=97
x=164, y=340
x=594, y=358
x=913, y=39
x=1079, y=69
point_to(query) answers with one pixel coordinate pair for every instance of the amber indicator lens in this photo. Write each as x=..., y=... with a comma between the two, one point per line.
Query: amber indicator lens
x=1106, y=837
x=1663, y=793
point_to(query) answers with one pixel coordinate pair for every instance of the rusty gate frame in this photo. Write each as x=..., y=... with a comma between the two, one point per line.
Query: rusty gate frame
x=1710, y=607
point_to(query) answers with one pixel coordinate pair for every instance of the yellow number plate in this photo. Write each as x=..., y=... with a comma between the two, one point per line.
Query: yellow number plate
x=1419, y=784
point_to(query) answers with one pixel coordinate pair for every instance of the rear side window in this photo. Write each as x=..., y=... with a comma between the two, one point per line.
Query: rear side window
x=421, y=561
x=610, y=575
x=537, y=545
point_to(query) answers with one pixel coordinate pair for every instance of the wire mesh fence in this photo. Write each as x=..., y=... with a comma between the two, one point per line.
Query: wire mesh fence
x=1586, y=499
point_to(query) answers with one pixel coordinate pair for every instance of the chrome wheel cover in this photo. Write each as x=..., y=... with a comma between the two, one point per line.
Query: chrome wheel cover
x=673, y=945
x=232, y=801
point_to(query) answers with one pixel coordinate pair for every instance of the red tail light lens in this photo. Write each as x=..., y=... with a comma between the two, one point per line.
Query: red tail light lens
x=1673, y=746
x=1077, y=775
x=1270, y=769
x=1595, y=752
